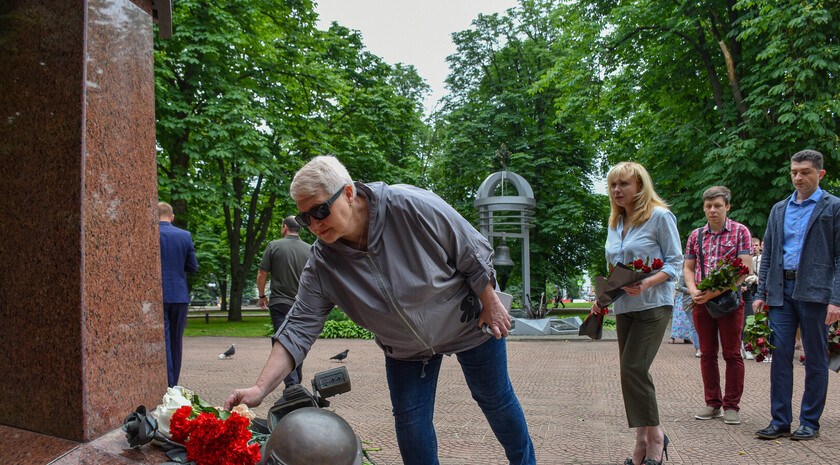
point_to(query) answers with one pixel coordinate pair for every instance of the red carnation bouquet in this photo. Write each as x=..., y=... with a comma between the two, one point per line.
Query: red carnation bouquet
x=213, y=441
x=191, y=431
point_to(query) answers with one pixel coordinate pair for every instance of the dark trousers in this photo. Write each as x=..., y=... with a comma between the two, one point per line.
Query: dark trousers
x=748, y=301
x=278, y=316
x=810, y=318
x=729, y=328
x=639, y=337
x=174, y=322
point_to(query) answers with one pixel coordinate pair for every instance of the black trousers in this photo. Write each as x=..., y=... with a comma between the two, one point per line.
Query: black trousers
x=278, y=316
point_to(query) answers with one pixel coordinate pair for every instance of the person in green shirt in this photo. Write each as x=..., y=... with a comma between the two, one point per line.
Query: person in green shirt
x=284, y=260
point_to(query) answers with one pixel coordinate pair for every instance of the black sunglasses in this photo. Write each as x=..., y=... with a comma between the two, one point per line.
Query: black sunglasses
x=319, y=212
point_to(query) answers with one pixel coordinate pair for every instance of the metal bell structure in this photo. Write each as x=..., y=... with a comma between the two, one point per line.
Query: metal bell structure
x=508, y=216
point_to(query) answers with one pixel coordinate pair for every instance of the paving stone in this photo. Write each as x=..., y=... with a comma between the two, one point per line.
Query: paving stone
x=569, y=389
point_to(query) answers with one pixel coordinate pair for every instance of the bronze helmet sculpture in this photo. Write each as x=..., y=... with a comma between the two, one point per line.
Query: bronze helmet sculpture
x=312, y=436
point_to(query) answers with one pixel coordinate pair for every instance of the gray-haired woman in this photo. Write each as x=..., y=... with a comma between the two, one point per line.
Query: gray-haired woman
x=405, y=265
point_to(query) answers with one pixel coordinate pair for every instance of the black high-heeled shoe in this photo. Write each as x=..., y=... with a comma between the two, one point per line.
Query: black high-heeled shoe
x=663, y=457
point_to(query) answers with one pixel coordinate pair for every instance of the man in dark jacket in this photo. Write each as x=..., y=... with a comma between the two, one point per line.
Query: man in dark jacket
x=177, y=258
x=798, y=279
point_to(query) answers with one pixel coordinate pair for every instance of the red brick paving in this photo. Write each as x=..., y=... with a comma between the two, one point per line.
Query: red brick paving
x=568, y=387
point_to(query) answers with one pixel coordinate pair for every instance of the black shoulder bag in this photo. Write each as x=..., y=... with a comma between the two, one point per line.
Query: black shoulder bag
x=725, y=303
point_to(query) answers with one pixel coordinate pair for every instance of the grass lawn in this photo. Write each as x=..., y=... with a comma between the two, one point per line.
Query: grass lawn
x=250, y=326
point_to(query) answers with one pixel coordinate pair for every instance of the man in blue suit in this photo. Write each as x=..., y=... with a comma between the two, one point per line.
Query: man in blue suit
x=799, y=280
x=177, y=258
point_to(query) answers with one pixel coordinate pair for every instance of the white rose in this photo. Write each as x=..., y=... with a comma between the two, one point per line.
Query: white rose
x=173, y=400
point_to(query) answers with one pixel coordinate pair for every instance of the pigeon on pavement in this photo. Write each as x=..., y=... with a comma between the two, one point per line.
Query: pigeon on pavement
x=228, y=353
x=340, y=357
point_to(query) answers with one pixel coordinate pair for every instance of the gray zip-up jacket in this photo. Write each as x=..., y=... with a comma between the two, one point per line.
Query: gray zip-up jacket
x=423, y=261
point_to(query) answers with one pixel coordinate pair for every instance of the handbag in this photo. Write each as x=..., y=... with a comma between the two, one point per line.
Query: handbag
x=593, y=326
x=724, y=304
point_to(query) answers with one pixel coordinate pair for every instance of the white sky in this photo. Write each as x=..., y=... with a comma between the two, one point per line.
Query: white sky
x=410, y=31
x=414, y=32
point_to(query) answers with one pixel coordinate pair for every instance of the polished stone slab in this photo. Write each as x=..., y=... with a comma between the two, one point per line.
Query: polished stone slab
x=21, y=447
x=81, y=308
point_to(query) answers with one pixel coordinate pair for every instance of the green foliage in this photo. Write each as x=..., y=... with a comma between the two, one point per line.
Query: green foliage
x=337, y=315
x=246, y=93
x=705, y=93
x=497, y=116
x=346, y=329
x=724, y=275
x=757, y=335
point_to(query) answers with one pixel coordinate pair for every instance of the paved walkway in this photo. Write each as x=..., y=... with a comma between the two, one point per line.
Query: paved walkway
x=568, y=387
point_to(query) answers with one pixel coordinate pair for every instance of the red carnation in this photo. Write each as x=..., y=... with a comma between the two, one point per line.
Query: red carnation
x=765, y=351
x=760, y=341
x=179, y=426
x=646, y=269
x=759, y=358
x=836, y=347
x=748, y=347
x=211, y=441
x=657, y=264
x=737, y=263
x=638, y=264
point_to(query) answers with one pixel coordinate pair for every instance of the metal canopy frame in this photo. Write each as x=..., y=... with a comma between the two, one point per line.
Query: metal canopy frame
x=509, y=216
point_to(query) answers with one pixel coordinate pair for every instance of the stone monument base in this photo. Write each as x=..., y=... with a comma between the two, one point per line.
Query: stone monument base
x=22, y=447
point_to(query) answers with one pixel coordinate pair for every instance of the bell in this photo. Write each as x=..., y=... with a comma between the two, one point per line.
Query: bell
x=502, y=263
x=502, y=258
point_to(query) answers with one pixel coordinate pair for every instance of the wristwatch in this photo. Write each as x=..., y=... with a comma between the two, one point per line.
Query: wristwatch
x=262, y=297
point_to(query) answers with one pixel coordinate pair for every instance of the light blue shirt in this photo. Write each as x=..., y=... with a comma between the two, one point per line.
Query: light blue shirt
x=796, y=222
x=657, y=237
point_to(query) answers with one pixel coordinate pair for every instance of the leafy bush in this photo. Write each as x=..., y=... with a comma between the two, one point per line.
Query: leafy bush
x=337, y=315
x=345, y=329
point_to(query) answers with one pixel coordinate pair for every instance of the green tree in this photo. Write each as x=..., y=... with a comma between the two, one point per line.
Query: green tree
x=495, y=102
x=706, y=93
x=246, y=93
x=375, y=122
x=223, y=142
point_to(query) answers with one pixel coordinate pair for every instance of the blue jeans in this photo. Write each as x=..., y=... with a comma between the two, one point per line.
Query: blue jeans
x=413, y=384
x=810, y=318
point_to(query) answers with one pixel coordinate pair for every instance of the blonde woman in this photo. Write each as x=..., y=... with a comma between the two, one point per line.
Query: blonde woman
x=642, y=227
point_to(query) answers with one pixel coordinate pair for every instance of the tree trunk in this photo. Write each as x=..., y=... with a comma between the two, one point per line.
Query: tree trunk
x=223, y=291
x=734, y=79
x=237, y=285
